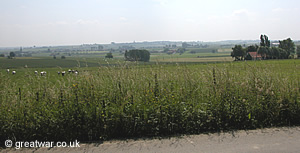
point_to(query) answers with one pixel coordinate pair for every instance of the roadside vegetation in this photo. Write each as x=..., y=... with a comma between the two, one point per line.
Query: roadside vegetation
x=148, y=100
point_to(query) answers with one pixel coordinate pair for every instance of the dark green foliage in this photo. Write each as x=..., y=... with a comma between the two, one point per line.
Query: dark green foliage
x=285, y=50
x=12, y=54
x=181, y=50
x=63, y=57
x=252, y=48
x=287, y=45
x=109, y=55
x=298, y=51
x=137, y=55
x=2, y=55
x=263, y=51
x=238, y=52
x=248, y=57
x=264, y=41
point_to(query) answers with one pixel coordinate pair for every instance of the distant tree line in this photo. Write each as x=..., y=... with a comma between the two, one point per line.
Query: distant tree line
x=137, y=55
x=285, y=50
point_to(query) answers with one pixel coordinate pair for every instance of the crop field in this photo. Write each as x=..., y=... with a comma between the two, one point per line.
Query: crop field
x=91, y=60
x=49, y=62
x=133, y=100
x=187, y=57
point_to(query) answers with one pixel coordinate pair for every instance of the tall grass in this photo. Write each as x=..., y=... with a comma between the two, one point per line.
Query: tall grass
x=133, y=101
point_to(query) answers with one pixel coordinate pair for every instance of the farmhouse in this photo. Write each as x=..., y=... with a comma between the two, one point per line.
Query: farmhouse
x=254, y=55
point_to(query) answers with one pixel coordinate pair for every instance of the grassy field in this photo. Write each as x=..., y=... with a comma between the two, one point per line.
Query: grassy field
x=133, y=100
x=91, y=60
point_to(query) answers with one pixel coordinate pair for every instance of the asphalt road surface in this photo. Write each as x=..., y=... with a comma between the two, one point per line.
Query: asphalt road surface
x=271, y=140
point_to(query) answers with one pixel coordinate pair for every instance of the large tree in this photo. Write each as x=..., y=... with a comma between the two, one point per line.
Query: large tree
x=252, y=48
x=275, y=53
x=264, y=41
x=287, y=45
x=298, y=51
x=263, y=51
x=238, y=52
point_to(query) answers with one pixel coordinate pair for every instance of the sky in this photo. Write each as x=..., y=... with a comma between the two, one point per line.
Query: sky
x=75, y=22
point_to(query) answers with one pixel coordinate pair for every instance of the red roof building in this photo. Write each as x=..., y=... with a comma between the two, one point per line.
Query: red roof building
x=255, y=55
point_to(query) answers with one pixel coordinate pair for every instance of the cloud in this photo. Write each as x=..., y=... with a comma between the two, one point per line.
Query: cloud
x=242, y=14
x=162, y=2
x=189, y=20
x=123, y=19
x=23, y=7
x=87, y=22
x=278, y=10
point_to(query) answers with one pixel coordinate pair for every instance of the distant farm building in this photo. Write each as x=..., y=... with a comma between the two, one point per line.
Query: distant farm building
x=254, y=55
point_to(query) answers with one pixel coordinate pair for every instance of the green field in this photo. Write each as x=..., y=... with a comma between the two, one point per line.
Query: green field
x=134, y=100
x=96, y=60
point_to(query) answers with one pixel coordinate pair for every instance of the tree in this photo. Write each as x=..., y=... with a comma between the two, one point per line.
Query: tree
x=248, y=57
x=298, y=51
x=275, y=52
x=166, y=50
x=264, y=41
x=283, y=54
x=63, y=57
x=238, y=52
x=181, y=50
x=137, y=55
x=263, y=50
x=287, y=45
x=54, y=57
x=252, y=48
x=109, y=55
x=2, y=55
x=12, y=54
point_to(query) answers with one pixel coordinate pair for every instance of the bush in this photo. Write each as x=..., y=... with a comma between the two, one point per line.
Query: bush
x=109, y=55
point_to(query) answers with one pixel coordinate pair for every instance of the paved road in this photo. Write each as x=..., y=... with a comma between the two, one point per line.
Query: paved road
x=269, y=140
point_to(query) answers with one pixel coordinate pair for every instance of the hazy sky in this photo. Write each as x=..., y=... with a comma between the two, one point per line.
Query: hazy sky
x=68, y=22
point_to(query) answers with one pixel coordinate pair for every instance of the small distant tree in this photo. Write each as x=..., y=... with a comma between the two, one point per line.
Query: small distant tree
x=166, y=50
x=54, y=57
x=63, y=57
x=2, y=55
x=193, y=52
x=181, y=50
x=12, y=54
x=109, y=55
